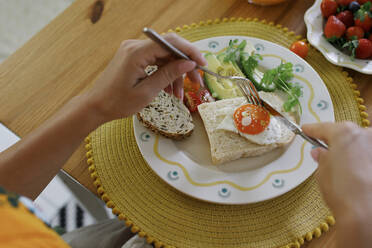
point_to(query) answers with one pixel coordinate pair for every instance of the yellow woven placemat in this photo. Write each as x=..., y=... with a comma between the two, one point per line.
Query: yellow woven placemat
x=168, y=218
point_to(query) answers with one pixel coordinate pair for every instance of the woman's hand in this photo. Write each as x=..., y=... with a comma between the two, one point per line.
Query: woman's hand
x=345, y=176
x=124, y=88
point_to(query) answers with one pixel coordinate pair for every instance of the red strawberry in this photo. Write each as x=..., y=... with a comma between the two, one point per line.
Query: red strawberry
x=364, y=49
x=328, y=7
x=354, y=33
x=346, y=17
x=344, y=2
x=362, y=17
x=365, y=23
x=370, y=37
x=363, y=1
x=334, y=28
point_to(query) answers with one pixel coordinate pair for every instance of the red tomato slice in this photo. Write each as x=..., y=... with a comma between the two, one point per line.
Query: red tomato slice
x=251, y=119
x=188, y=85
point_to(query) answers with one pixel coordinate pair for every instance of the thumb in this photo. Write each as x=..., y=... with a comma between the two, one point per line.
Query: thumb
x=168, y=73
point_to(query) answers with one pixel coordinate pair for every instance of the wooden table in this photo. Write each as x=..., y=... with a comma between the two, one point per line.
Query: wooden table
x=66, y=56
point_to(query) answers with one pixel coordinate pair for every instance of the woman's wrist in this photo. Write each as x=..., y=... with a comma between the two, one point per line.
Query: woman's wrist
x=88, y=112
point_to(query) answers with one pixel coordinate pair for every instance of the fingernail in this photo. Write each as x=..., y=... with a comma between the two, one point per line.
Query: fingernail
x=315, y=154
x=168, y=89
x=201, y=81
x=180, y=93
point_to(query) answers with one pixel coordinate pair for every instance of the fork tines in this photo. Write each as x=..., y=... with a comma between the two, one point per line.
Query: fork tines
x=249, y=91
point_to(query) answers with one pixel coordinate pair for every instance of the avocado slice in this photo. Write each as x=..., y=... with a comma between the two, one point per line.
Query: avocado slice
x=221, y=88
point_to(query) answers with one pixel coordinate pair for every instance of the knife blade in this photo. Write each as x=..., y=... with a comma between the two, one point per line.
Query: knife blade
x=292, y=126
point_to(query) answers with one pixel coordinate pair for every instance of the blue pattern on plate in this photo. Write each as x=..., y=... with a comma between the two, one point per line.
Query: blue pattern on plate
x=224, y=192
x=173, y=175
x=278, y=183
x=322, y=105
x=145, y=136
x=298, y=68
x=213, y=44
x=259, y=47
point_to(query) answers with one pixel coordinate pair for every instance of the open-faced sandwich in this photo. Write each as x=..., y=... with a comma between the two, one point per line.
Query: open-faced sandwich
x=235, y=129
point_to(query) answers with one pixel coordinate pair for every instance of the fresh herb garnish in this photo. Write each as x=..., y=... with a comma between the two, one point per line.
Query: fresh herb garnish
x=280, y=77
x=248, y=65
x=234, y=51
x=294, y=93
x=274, y=79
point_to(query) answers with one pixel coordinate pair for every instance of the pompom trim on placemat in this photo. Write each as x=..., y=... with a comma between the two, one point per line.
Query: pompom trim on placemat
x=317, y=232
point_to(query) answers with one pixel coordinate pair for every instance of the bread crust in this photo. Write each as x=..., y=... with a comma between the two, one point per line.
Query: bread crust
x=175, y=136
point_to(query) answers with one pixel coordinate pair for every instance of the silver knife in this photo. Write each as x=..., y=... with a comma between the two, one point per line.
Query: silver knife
x=292, y=126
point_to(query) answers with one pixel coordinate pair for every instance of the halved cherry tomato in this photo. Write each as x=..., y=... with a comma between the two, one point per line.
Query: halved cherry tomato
x=300, y=48
x=195, y=94
x=192, y=100
x=188, y=85
x=251, y=119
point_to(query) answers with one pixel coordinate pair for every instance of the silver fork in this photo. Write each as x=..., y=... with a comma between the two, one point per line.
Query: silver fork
x=168, y=46
x=245, y=85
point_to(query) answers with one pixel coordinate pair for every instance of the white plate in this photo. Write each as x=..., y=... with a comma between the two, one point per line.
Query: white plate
x=186, y=165
x=314, y=23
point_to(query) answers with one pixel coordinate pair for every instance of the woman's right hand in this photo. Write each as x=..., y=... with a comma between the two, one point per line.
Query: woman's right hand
x=345, y=175
x=124, y=88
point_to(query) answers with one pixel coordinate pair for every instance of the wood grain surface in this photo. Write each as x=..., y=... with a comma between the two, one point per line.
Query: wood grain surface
x=64, y=58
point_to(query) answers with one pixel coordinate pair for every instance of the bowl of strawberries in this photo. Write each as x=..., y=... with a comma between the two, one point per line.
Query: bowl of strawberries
x=342, y=31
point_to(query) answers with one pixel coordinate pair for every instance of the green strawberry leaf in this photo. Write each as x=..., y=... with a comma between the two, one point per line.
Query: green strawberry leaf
x=351, y=46
x=365, y=10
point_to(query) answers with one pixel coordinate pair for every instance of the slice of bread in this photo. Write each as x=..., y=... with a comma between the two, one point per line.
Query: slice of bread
x=228, y=146
x=168, y=116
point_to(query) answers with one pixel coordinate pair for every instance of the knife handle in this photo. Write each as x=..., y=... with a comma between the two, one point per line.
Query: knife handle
x=314, y=142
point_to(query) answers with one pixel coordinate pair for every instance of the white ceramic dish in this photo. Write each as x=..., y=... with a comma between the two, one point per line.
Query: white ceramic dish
x=186, y=165
x=314, y=23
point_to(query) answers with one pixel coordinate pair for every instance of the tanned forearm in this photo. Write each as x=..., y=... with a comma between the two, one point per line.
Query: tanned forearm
x=27, y=167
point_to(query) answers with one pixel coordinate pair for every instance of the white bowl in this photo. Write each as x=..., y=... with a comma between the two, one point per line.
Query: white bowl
x=314, y=24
